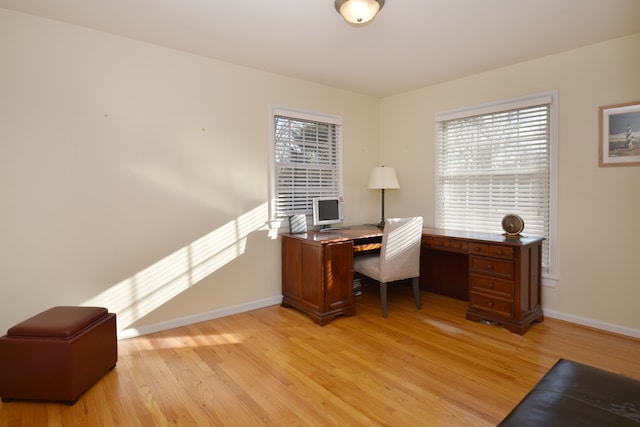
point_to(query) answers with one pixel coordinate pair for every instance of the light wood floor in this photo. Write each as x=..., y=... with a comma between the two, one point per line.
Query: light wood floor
x=273, y=366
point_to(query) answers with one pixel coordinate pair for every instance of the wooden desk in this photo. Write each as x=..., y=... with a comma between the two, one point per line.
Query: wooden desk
x=498, y=275
x=317, y=270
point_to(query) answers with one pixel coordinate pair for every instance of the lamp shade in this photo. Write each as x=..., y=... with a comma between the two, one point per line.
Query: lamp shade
x=383, y=177
x=358, y=11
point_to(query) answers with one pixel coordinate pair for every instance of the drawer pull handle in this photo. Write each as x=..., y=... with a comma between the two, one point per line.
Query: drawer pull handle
x=491, y=285
x=477, y=249
x=499, y=252
x=489, y=266
x=490, y=304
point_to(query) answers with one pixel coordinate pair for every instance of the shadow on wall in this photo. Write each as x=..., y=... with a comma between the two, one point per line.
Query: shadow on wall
x=153, y=286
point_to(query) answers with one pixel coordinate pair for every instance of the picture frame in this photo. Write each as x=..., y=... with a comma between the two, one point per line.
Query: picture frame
x=620, y=134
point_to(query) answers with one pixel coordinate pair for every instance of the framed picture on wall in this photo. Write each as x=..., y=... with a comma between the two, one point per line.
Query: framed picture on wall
x=620, y=135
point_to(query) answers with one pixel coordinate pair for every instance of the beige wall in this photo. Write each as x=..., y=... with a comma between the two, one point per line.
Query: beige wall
x=136, y=177
x=599, y=226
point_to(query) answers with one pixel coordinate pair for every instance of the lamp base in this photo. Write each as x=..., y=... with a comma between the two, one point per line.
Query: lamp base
x=380, y=225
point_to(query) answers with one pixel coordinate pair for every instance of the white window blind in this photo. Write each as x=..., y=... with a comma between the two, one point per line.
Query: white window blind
x=307, y=161
x=495, y=162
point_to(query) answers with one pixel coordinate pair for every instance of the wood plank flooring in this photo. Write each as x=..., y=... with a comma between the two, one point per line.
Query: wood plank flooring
x=274, y=367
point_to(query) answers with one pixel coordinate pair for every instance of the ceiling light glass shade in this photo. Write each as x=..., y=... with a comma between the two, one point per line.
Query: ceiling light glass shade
x=358, y=11
x=383, y=177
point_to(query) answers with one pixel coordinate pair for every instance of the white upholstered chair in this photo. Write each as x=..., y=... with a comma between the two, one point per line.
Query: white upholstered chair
x=399, y=257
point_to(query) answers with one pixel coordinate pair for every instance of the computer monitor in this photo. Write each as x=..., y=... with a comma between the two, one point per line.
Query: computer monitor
x=327, y=211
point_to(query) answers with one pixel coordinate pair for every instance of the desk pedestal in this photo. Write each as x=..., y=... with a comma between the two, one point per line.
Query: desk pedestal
x=317, y=277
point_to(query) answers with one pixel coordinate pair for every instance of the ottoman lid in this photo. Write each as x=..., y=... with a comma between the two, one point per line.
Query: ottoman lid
x=58, y=322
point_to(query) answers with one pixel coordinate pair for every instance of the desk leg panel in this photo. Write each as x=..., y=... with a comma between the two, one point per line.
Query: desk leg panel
x=445, y=273
x=338, y=267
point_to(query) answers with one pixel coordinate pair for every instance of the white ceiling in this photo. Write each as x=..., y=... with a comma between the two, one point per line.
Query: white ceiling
x=410, y=44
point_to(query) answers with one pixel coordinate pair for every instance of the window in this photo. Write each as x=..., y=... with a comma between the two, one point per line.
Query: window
x=306, y=161
x=496, y=159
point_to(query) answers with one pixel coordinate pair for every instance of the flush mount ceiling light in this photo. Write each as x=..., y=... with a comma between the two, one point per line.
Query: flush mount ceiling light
x=358, y=11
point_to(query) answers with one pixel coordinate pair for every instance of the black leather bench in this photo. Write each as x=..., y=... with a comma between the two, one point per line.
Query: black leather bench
x=573, y=394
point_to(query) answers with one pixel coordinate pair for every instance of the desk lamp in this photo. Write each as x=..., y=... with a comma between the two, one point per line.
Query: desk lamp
x=383, y=178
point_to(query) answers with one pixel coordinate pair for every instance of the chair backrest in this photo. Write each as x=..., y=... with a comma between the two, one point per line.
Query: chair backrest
x=400, y=251
x=298, y=224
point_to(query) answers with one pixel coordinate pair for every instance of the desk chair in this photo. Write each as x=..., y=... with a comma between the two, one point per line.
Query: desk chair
x=399, y=257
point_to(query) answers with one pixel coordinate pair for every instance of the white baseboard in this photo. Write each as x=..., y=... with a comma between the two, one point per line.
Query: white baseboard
x=200, y=317
x=254, y=305
x=585, y=321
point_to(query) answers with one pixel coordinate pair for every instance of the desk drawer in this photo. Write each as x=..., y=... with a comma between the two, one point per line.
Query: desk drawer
x=495, y=251
x=491, y=267
x=452, y=245
x=490, y=304
x=491, y=285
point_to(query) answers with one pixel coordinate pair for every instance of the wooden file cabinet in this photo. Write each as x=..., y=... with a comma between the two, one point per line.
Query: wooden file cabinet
x=317, y=276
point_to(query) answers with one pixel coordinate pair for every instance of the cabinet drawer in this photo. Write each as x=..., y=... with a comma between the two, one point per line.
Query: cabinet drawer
x=445, y=244
x=490, y=304
x=487, y=284
x=491, y=267
x=496, y=251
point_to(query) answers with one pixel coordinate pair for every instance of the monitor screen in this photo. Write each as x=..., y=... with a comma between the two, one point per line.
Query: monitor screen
x=327, y=211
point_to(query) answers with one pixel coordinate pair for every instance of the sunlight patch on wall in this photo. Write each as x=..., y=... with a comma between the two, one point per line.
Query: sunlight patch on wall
x=150, y=288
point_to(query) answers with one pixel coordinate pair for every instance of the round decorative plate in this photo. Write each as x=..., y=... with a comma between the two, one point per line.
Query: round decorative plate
x=512, y=225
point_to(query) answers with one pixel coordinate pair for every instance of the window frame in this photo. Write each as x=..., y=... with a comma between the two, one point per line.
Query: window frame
x=303, y=115
x=551, y=277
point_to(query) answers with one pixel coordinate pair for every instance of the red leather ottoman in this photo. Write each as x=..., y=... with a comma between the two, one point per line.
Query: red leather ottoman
x=58, y=354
